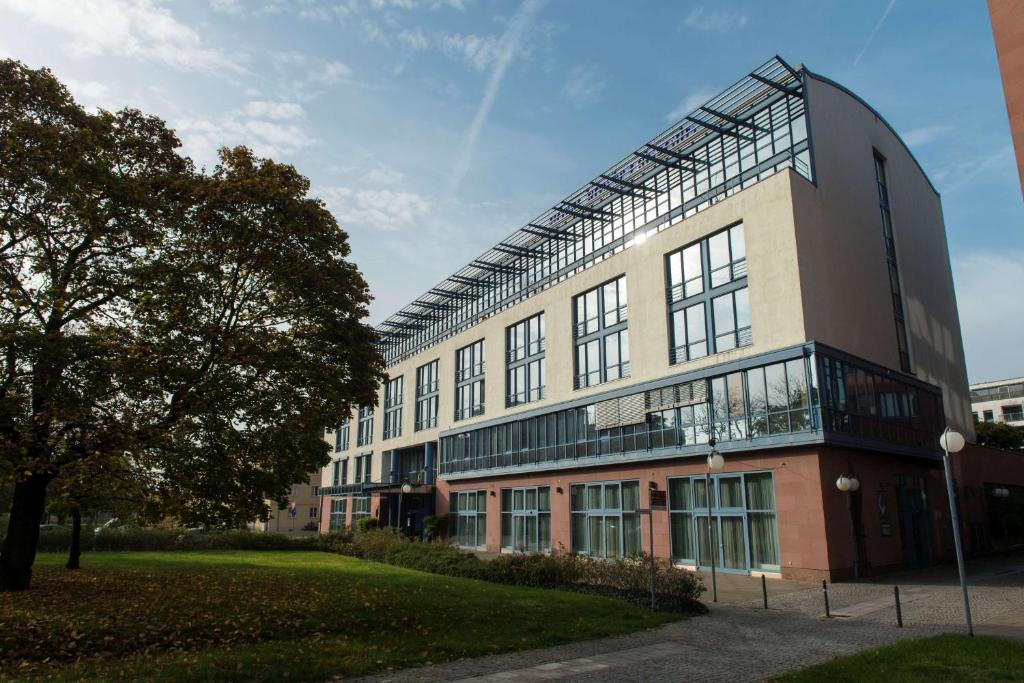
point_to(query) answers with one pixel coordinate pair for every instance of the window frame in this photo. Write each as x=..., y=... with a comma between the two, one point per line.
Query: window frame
x=525, y=360
x=427, y=395
x=591, y=332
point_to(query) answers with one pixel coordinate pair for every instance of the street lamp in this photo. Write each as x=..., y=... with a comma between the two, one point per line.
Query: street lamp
x=953, y=442
x=848, y=485
x=715, y=462
x=406, y=488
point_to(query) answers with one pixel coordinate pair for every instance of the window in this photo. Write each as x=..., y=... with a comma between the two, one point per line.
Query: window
x=742, y=517
x=989, y=416
x=601, y=334
x=1013, y=413
x=604, y=519
x=779, y=398
x=393, y=408
x=365, y=435
x=890, y=256
x=312, y=512
x=707, y=290
x=363, y=468
x=360, y=508
x=525, y=375
x=341, y=436
x=426, y=396
x=339, y=472
x=339, y=511
x=469, y=381
x=470, y=510
x=526, y=519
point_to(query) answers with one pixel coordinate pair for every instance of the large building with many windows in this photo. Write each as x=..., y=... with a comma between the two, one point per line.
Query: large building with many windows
x=999, y=401
x=769, y=277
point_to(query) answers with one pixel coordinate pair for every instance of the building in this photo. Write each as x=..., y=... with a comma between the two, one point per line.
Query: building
x=769, y=274
x=1008, y=31
x=301, y=515
x=999, y=401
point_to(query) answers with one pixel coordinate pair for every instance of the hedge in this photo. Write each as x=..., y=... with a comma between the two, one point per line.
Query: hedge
x=154, y=538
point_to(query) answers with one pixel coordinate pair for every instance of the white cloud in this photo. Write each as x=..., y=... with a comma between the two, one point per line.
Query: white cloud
x=277, y=111
x=89, y=91
x=959, y=174
x=414, y=39
x=136, y=29
x=584, y=85
x=384, y=176
x=694, y=100
x=508, y=50
x=385, y=210
x=330, y=73
x=720, y=21
x=479, y=52
x=202, y=137
x=922, y=136
x=991, y=312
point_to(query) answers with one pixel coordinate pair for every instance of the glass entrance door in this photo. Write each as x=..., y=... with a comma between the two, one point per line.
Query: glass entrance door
x=728, y=540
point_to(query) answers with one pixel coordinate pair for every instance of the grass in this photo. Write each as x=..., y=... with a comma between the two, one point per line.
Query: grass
x=939, y=658
x=268, y=616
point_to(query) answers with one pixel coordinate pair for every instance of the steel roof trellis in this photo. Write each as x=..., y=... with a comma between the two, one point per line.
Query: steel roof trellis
x=506, y=266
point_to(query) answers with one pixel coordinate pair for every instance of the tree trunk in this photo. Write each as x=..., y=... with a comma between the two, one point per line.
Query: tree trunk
x=18, y=553
x=76, y=540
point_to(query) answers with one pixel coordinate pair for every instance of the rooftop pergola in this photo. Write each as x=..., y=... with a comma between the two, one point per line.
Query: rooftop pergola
x=546, y=250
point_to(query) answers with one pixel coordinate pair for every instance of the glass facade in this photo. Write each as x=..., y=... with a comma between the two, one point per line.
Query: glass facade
x=469, y=381
x=360, y=508
x=393, y=407
x=601, y=337
x=743, y=521
x=526, y=519
x=524, y=352
x=605, y=521
x=339, y=472
x=707, y=291
x=341, y=435
x=469, y=508
x=339, y=512
x=427, y=395
x=363, y=468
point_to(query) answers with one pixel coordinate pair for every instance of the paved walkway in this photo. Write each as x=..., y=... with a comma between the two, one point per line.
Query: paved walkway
x=738, y=641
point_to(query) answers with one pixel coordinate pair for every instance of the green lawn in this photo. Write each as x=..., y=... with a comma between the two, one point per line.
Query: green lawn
x=939, y=658
x=253, y=616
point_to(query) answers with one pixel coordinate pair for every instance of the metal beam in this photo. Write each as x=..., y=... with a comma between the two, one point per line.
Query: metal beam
x=677, y=155
x=496, y=267
x=455, y=295
x=626, y=183
x=584, y=207
x=482, y=282
x=719, y=129
x=548, y=235
x=518, y=251
x=619, y=190
x=666, y=163
x=788, y=89
x=736, y=121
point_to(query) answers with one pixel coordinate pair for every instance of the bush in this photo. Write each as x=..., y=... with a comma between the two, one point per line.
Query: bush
x=437, y=558
x=539, y=571
x=376, y=544
x=366, y=524
x=435, y=527
x=157, y=538
x=58, y=540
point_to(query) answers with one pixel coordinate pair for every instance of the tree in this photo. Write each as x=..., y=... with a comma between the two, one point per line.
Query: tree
x=205, y=324
x=999, y=435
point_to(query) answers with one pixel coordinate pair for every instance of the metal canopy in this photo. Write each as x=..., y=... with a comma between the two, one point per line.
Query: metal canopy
x=467, y=295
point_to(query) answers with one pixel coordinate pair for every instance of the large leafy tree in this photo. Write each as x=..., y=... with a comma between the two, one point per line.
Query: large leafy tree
x=204, y=326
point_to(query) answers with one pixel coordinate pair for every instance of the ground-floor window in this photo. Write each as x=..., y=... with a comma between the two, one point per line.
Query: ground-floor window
x=470, y=512
x=360, y=508
x=526, y=519
x=744, y=532
x=339, y=510
x=605, y=521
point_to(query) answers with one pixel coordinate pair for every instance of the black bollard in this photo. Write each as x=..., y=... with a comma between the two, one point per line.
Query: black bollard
x=764, y=591
x=899, y=610
x=824, y=590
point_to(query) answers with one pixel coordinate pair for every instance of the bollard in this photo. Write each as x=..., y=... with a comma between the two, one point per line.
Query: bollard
x=764, y=591
x=824, y=590
x=899, y=610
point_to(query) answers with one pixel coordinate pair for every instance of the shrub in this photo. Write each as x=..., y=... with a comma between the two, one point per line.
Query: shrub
x=539, y=571
x=437, y=558
x=376, y=544
x=58, y=539
x=366, y=524
x=435, y=527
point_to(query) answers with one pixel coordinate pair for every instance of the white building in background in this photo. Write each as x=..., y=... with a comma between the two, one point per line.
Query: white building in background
x=999, y=401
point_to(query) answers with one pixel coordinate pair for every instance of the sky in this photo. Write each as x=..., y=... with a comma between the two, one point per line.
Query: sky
x=434, y=128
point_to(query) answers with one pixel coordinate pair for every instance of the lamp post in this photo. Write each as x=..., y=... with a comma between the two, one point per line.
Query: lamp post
x=406, y=488
x=848, y=485
x=953, y=442
x=715, y=462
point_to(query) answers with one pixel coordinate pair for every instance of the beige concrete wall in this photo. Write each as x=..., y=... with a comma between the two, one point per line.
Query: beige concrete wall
x=302, y=495
x=776, y=320
x=846, y=295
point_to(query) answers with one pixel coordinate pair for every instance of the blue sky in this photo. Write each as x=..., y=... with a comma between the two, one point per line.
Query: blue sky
x=433, y=128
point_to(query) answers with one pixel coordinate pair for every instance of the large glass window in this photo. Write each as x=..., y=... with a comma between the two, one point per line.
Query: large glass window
x=743, y=521
x=364, y=468
x=360, y=508
x=393, y=408
x=470, y=511
x=601, y=334
x=902, y=345
x=605, y=521
x=526, y=372
x=339, y=472
x=707, y=290
x=469, y=381
x=526, y=519
x=365, y=427
x=339, y=512
x=426, y=395
x=341, y=436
